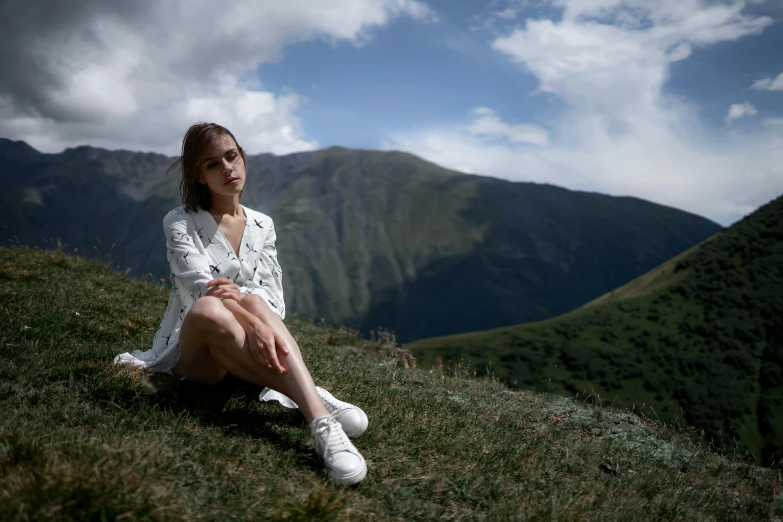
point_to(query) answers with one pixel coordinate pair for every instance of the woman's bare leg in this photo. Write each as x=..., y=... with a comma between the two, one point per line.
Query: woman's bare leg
x=213, y=343
x=258, y=307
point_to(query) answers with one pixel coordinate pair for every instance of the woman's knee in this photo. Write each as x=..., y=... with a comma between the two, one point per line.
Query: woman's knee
x=256, y=305
x=210, y=312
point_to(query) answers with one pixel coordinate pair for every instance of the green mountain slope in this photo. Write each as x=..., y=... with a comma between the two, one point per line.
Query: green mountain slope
x=368, y=239
x=699, y=339
x=81, y=439
x=659, y=278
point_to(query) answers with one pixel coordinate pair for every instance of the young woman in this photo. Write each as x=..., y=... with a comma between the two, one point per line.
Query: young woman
x=226, y=305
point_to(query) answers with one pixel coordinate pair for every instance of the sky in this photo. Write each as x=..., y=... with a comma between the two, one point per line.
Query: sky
x=679, y=102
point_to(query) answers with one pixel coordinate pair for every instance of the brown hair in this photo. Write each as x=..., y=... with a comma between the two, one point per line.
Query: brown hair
x=199, y=136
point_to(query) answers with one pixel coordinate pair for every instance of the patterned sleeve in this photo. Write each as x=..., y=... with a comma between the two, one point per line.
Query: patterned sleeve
x=268, y=276
x=190, y=270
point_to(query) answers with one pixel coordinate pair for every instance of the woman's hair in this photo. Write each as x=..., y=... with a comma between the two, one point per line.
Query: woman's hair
x=196, y=196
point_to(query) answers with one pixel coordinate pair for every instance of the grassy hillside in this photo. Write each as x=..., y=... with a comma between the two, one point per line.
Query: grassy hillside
x=81, y=439
x=698, y=340
x=366, y=238
x=661, y=277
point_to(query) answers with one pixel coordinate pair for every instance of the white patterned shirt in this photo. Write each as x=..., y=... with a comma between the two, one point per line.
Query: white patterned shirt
x=198, y=251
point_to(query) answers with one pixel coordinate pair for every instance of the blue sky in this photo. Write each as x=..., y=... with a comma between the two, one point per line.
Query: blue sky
x=675, y=101
x=408, y=73
x=715, y=77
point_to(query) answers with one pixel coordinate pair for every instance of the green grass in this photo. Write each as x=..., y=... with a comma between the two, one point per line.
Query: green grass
x=532, y=355
x=604, y=350
x=82, y=439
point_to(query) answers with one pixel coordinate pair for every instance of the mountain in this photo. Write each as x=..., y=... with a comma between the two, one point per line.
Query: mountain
x=699, y=339
x=367, y=239
x=84, y=440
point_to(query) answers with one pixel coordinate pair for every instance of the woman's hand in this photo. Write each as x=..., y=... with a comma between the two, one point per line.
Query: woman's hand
x=266, y=347
x=224, y=289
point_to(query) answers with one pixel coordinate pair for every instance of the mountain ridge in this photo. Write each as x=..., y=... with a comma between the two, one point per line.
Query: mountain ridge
x=369, y=239
x=337, y=148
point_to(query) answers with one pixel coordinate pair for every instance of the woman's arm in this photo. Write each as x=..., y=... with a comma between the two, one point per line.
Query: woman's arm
x=263, y=341
x=247, y=320
x=188, y=265
x=268, y=276
x=264, y=344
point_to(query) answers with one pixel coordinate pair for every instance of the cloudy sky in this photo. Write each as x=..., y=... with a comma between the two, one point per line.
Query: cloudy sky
x=675, y=101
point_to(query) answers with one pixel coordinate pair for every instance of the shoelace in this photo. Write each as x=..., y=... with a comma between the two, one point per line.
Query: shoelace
x=330, y=403
x=334, y=444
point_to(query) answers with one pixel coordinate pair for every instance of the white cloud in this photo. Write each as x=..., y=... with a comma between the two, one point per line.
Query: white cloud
x=607, y=63
x=497, y=13
x=487, y=124
x=769, y=84
x=507, y=14
x=464, y=151
x=136, y=74
x=740, y=110
x=773, y=121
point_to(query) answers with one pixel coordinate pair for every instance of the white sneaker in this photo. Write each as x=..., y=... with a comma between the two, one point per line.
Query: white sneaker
x=343, y=461
x=351, y=418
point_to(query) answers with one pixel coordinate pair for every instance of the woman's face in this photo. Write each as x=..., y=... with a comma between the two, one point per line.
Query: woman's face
x=222, y=168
